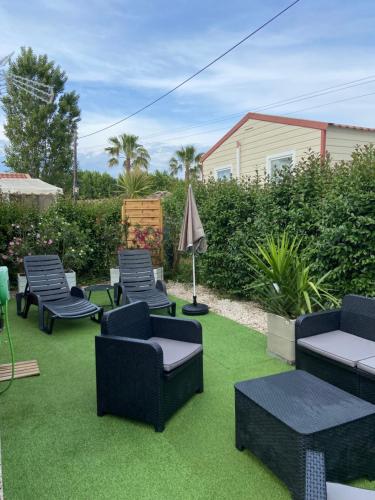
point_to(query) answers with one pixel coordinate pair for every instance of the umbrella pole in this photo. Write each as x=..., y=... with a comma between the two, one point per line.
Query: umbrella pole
x=194, y=291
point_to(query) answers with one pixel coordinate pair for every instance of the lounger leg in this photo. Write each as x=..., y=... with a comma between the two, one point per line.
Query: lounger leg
x=45, y=325
x=100, y=315
x=26, y=308
x=19, y=297
x=159, y=427
x=172, y=309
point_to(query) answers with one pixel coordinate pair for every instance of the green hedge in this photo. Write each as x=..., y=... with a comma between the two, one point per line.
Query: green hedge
x=86, y=234
x=330, y=206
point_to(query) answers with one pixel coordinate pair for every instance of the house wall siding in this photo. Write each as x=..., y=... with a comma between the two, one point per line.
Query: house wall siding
x=258, y=140
x=342, y=141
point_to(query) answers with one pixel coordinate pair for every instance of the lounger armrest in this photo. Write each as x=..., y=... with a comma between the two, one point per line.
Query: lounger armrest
x=315, y=476
x=35, y=298
x=317, y=323
x=186, y=330
x=161, y=285
x=75, y=291
x=121, y=290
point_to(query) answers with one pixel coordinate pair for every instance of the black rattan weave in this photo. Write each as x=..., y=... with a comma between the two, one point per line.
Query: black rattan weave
x=131, y=381
x=357, y=317
x=279, y=417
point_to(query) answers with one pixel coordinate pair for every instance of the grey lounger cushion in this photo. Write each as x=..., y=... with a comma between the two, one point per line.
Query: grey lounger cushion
x=175, y=352
x=342, y=492
x=367, y=365
x=340, y=346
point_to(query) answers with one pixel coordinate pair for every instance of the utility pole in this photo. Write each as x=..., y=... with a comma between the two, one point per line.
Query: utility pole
x=75, y=166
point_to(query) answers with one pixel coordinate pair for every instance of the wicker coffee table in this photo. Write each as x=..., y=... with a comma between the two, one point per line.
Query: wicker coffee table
x=279, y=417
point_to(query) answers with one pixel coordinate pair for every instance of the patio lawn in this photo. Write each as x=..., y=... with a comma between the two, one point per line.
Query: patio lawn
x=55, y=447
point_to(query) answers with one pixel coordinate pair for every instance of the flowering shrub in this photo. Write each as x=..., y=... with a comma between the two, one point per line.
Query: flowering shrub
x=52, y=235
x=148, y=238
x=27, y=240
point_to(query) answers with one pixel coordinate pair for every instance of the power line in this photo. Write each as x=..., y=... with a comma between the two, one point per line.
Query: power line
x=301, y=97
x=197, y=72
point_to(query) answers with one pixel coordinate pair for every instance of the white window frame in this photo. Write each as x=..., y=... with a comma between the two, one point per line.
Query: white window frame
x=221, y=169
x=277, y=156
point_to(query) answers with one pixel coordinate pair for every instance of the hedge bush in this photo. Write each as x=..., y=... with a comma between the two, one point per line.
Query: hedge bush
x=86, y=234
x=329, y=206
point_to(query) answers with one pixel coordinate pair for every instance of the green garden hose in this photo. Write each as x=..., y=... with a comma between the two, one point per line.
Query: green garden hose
x=4, y=299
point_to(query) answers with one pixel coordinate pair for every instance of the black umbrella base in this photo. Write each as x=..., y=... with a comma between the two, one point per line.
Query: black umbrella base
x=195, y=309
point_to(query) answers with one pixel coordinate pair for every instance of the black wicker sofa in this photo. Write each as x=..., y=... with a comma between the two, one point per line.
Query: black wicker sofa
x=339, y=346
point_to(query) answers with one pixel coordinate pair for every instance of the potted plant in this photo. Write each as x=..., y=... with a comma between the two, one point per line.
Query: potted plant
x=284, y=287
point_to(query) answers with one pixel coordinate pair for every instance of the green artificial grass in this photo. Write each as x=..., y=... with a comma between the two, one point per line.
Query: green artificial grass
x=55, y=447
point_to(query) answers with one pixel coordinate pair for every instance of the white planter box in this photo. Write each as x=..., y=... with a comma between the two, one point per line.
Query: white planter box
x=115, y=274
x=71, y=278
x=281, y=337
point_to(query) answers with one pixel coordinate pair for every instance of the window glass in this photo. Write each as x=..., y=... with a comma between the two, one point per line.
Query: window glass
x=278, y=164
x=223, y=173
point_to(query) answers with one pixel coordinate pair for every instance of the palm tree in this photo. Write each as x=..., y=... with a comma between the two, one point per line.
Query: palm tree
x=188, y=160
x=136, y=156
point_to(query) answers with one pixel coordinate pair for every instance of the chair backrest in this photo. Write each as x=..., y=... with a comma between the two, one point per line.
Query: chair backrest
x=358, y=316
x=132, y=320
x=136, y=271
x=45, y=277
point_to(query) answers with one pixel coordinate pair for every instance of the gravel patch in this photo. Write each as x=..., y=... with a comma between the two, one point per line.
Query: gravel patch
x=244, y=312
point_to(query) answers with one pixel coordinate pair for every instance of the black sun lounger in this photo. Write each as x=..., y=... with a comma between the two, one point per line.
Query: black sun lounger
x=137, y=282
x=48, y=289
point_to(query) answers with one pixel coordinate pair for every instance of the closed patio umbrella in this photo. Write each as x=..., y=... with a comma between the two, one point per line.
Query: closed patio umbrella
x=192, y=238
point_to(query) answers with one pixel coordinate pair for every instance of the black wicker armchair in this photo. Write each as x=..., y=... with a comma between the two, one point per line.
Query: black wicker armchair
x=316, y=487
x=339, y=346
x=147, y=366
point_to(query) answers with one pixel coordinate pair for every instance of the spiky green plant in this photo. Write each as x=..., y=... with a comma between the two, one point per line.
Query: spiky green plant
x=135, y=184
x=283, y=283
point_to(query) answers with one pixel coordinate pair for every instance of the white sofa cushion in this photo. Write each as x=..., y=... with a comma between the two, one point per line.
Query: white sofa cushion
x=342, y=492
x=175, y=352
x=340, y=346
x=367, y=365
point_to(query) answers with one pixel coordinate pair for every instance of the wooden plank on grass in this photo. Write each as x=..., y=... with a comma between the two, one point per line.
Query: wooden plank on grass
x=21, y=369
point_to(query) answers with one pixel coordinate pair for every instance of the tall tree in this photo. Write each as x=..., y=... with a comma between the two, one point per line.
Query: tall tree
x=187, y=160
x=40, y=134
x=96, y=184
x=136, y=156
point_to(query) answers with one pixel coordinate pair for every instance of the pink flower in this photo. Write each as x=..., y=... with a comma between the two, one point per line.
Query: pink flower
x=4, y=257
x=11, y=243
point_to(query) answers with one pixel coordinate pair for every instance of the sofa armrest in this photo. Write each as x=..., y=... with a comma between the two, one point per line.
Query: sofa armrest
x=317, y=323
x=186, y=330
x=75, y=291
x=161, y=285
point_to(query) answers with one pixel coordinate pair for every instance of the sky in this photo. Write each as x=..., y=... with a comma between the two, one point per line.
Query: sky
x=121, y=54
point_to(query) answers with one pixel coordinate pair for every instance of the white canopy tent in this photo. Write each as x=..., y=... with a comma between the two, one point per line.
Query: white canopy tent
x=27, y=186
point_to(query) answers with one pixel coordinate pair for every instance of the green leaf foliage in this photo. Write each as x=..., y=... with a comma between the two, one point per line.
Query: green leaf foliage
x=40, y=134
x=329, y=207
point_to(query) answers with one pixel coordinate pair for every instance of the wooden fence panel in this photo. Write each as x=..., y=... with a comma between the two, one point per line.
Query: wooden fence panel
x=142, y=212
